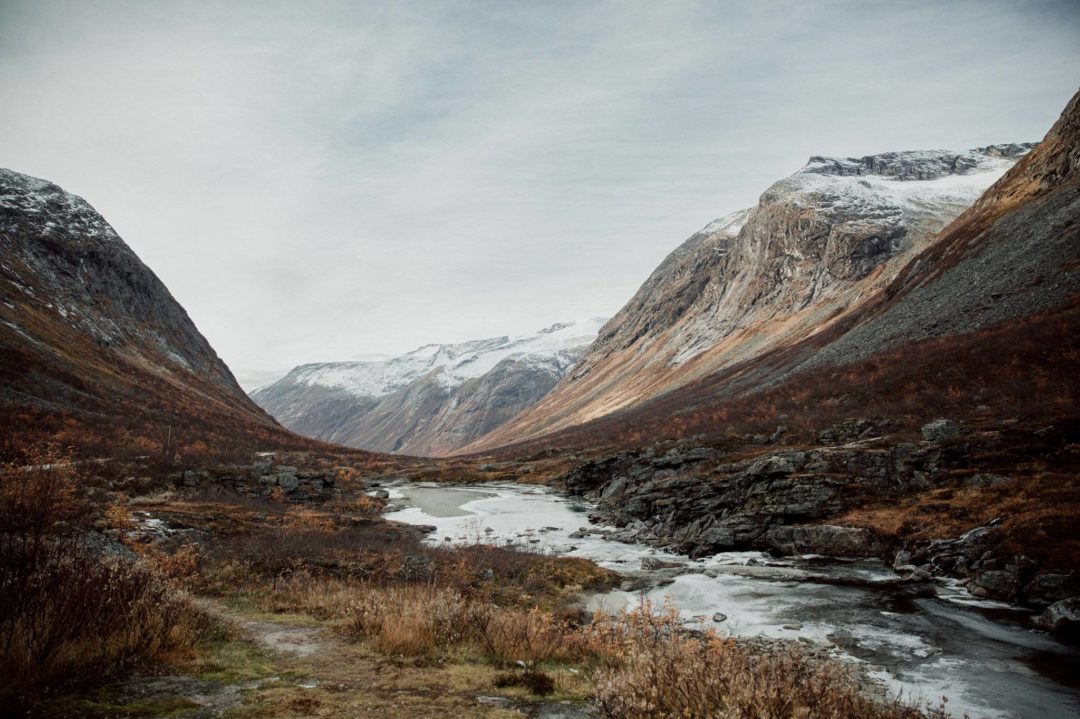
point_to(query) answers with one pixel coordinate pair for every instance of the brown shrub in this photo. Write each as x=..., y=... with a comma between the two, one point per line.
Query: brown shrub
x=529, y=636
x=414, y=620
x=71, y=613
x=662, y=672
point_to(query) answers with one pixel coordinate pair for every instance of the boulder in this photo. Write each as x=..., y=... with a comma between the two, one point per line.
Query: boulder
x=195, y=477
x=418, y=566
x=984, y=480
x=911, y=573
x=651, y=563
x=940, y=430
x=614, y=491
x=1046, y=589
x=825, y=539
x=1061, y=617
x=1001, y=584
x=850, y=430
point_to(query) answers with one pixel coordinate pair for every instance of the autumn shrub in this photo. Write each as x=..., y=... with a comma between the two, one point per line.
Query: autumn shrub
x=418, y=620
x=73, y=608
x=529, y=636
x=660, y=671
x=415, y=620
x=308, y=545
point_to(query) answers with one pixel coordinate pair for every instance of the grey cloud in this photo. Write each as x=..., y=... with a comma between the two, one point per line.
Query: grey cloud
x=318, y=181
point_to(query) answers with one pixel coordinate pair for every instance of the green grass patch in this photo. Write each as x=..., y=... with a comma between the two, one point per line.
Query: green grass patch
x=111, y=702
x=232, y=661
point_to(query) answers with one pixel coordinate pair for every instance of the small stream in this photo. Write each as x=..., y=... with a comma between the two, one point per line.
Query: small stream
x=921, y=644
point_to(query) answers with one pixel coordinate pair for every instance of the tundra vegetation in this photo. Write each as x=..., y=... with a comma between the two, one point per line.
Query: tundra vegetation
x=98, y=601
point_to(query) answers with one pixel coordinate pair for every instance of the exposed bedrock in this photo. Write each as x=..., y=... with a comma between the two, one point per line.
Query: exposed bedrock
x=787, y=501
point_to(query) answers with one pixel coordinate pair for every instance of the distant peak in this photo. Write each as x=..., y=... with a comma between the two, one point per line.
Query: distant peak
x=589, y=325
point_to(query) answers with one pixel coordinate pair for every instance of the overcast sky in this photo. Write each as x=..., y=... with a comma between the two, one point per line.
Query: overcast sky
x=320, y=181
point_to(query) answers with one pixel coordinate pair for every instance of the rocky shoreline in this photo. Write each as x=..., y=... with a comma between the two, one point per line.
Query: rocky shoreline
x=689, y=500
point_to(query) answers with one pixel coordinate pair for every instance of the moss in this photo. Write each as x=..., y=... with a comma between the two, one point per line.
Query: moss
x=110, y=702
x=231, y=662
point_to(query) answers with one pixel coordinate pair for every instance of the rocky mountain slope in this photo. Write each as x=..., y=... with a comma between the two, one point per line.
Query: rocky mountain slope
x=934, y=423
x=430, y=401
x=95, y=351
x=817, y=245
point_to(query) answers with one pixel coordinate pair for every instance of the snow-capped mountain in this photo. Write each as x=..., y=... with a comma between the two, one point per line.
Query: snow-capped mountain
x=432, y=400
x=817, y=243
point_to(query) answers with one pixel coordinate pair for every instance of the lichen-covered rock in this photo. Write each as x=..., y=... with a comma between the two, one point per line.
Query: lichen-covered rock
x=824, y=539
x=1001, y=584
x=940, y=430
x=1062, y=617
x=1045, y=589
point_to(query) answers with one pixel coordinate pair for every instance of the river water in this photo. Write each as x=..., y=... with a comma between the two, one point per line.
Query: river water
x=981, y=655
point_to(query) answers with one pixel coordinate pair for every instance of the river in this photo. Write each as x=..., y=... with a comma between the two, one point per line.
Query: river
x=981, y=655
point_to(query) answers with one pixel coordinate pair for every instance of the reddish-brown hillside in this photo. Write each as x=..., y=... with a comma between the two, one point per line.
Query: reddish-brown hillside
x=95, y=352
x=981, y=321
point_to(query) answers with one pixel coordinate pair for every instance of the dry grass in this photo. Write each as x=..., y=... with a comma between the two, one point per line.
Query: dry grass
x=1040, y=512
x=661, y=672
x=72, y=613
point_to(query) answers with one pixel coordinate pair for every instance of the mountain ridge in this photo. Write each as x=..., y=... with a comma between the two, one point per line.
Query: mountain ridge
x=816, y=244
x=431, y=400
x=97, y=353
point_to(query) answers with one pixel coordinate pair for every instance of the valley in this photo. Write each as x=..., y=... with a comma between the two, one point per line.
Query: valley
x=824, y=462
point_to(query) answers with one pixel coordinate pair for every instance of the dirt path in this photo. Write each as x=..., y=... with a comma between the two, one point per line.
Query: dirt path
x=283, y=669
x=276, y=637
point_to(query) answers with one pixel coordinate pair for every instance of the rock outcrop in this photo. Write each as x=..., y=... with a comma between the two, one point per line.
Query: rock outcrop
x=686, y=501
x=1062, y=617
x=787, y=501
x=261, y=480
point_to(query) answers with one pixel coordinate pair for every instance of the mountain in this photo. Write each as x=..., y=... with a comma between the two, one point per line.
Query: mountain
x=932, y=422
x=431, y=401
x=816, y=246
x=95, y=351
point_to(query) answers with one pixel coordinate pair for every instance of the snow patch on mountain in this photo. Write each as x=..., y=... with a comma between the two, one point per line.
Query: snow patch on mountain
x=453, y=364
x=917, y=182
x=727, y=226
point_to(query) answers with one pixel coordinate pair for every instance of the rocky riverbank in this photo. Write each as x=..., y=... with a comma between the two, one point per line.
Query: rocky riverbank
x=700, y=500
x=262, y=478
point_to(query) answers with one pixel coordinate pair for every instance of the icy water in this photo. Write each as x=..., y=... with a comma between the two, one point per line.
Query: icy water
x=979, y=654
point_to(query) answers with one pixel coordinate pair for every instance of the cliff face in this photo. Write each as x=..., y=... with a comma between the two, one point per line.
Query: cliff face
x=431, y=401
x=89, y=333
x=1014, y=253
x=817, y=245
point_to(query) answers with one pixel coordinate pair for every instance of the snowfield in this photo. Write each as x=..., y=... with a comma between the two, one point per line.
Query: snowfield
x=454, y=363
